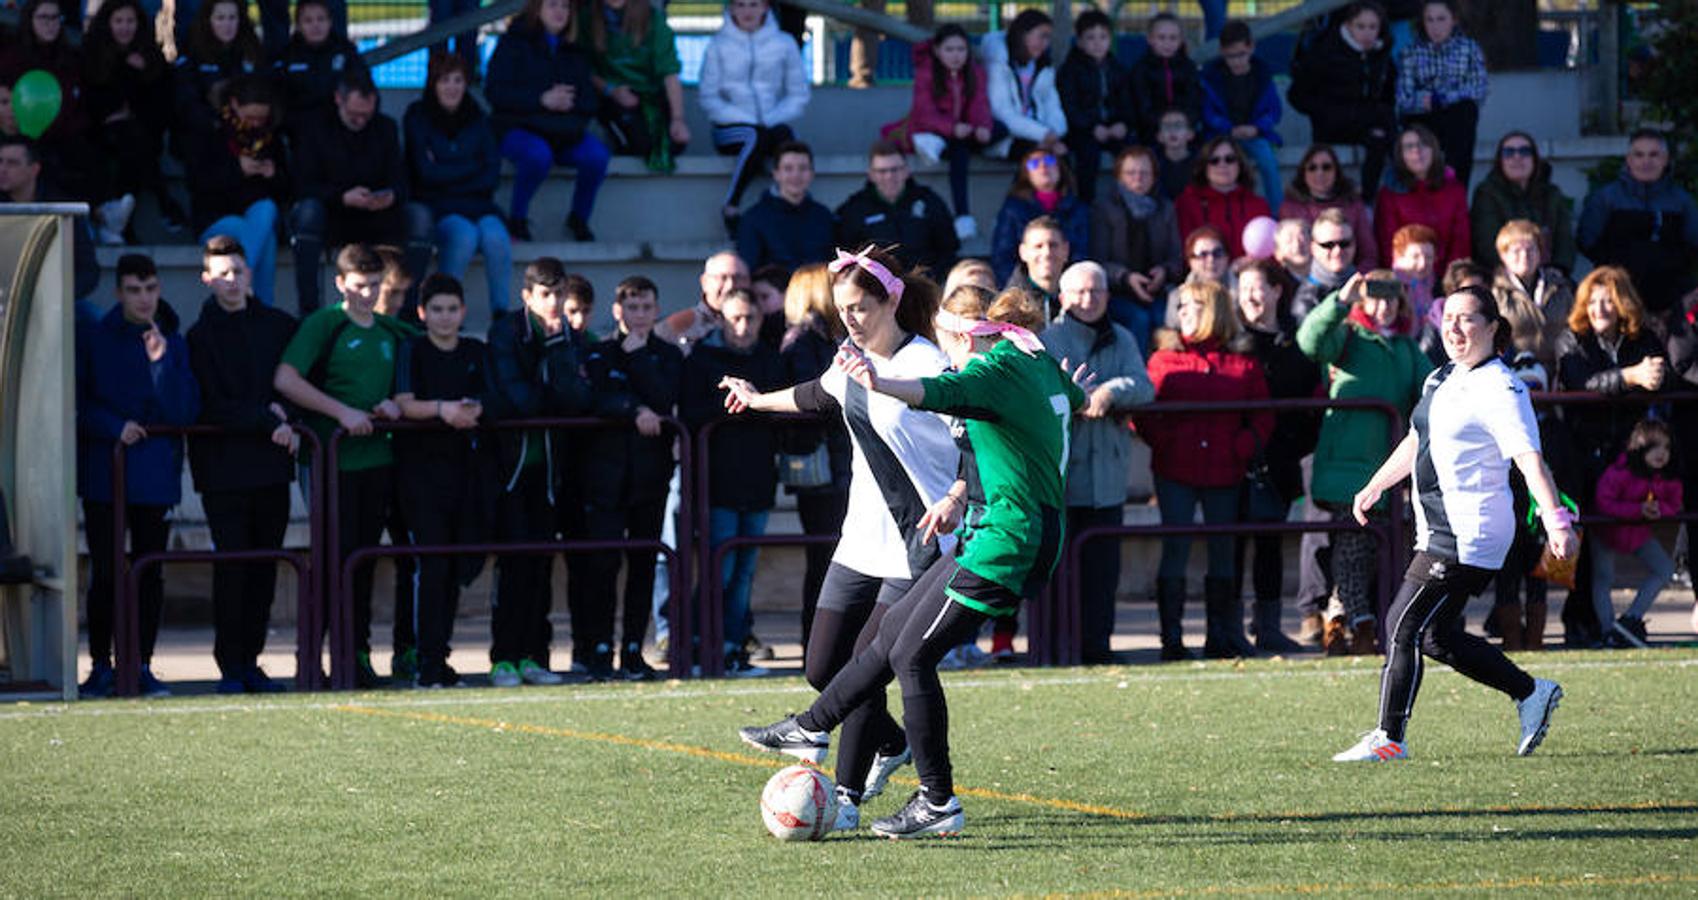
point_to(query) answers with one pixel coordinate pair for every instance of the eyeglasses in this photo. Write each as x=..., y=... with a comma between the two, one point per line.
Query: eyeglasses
x=1223, y=160
x=1038, y=162
x=1514, y=150
x=1343, y=244
x=1319, y=167
x=1211, y=253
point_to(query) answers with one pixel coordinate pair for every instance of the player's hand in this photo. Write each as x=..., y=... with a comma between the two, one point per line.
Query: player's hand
x=354, y=422
x=1563, y=543
x=648, y=422
x=941, y=517
x=739, y=394
x=131, y=433
x=854, y=364
x=1364, y=503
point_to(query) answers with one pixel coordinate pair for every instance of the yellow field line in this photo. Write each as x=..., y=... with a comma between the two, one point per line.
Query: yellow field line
x=741, y=759
x=1509, y=884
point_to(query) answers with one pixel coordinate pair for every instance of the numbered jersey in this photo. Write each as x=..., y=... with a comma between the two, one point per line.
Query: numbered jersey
x=1018, y=410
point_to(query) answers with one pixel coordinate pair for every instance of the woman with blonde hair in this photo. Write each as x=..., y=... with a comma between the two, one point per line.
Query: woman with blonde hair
x=1201, y=458
x=1012, y=541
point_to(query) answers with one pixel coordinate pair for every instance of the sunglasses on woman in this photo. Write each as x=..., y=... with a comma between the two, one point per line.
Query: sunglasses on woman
x=1319, y=167
x=1223, y=160
x=1038, y=162
x=1515, y=150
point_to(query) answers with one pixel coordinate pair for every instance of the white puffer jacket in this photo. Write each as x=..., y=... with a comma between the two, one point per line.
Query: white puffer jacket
x=753, y=79
x=1004, y=92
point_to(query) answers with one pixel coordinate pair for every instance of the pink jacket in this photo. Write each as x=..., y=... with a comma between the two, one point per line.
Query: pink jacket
x=938, y=116
x=1622, y=493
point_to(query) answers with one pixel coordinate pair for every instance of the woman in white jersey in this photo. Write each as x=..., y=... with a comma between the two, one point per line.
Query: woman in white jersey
x=902, y=472
x=1474, y=418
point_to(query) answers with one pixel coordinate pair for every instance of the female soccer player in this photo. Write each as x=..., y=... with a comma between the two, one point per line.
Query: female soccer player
x=1473, y=419
x=904, y=464
x=1017, y=403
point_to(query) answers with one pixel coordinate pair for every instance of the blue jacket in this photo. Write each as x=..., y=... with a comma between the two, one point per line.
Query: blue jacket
x=453, y=173
x=521, y=69
x=117, y=384
x=775, y=230
x=1651, y=230
x=1011, y=219
x=1264, y=114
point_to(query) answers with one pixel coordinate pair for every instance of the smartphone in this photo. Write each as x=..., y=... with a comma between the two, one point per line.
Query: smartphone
x=1384, y=290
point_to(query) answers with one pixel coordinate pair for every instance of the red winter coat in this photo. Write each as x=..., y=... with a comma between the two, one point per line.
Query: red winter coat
x=1228, y=213
x=1444, y=210
x=1622, y=492
x=938, y=116
x=1205, y=449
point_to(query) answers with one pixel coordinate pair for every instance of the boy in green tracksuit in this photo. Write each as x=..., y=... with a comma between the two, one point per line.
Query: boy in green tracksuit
x=340, y=368
x=1018, y=406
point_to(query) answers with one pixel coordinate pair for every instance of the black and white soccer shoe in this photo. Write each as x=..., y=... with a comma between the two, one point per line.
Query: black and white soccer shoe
x=785, y=736
x=920, y=818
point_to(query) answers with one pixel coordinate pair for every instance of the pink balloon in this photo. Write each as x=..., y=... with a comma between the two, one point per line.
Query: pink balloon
x=1259, y=237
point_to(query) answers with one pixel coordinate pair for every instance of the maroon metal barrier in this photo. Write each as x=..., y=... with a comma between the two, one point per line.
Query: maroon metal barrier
x=340, y=607
x=710, y=585
x=126, y=624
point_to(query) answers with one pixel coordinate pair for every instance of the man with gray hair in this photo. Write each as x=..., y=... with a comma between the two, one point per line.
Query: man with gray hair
x=722, y=273
x=1083, y=334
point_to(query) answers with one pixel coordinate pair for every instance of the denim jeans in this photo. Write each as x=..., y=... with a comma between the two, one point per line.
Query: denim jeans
x=1178, y=503
x=738, y=572
x=458, y=237
x=1658, y=570
x=256, y=228
x=314, y=227
x=1266, y=159
x=532, y=156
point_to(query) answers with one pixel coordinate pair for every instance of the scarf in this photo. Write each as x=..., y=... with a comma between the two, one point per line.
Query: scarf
x=1049, y=200
x=1103, y=328
x=246, y=140
x=1141, y=206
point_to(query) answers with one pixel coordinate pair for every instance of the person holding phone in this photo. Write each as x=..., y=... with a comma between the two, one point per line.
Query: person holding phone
x=1474, y=419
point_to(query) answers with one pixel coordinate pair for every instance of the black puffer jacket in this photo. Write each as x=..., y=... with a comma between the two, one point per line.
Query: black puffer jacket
x=1093, y=95
x=234, y=356
x=621, y=466
x=742, y=474
x=533, y=375
x=1344, y=91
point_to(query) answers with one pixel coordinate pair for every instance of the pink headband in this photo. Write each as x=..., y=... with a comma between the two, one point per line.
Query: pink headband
x=892, y=284
x=1023, y=339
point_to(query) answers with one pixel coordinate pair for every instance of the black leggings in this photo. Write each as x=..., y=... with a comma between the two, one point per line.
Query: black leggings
x=845, y=622
x=1426, y=618
x=914, y=636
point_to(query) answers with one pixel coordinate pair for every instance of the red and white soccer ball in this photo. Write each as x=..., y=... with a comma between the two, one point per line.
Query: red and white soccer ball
x=799, y=804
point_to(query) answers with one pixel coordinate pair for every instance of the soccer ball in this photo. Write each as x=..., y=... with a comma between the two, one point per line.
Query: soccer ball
x=799, y=804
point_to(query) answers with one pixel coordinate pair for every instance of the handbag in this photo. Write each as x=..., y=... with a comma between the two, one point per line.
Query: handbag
x=805, y=470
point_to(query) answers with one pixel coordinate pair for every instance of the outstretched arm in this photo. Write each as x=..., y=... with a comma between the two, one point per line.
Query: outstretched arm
x=855, y=365
x=741, y=396
x=1393, y=470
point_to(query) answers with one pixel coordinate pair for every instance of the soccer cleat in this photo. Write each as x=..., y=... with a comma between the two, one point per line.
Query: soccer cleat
x=848, y=812
x=787, y=737
x=531, y=673
x=1374, y=747
x=1535, y=713
x=505, y=674
x=878, y=775
x=921, y=818
x=150, y=686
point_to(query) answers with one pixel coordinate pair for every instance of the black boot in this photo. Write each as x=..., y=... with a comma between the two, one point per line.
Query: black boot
x=1170, y=607
x=1225, y=612
x=1269, y=639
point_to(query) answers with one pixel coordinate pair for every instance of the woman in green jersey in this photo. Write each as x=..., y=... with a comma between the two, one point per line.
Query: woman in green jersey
x=1017, y=404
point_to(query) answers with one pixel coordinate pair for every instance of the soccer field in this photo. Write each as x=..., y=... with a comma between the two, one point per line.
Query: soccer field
x=1179, y=779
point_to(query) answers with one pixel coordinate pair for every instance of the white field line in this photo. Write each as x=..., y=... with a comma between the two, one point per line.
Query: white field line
x=714, y=690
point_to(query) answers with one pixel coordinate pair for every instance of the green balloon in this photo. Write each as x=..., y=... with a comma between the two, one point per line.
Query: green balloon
x=35, y=102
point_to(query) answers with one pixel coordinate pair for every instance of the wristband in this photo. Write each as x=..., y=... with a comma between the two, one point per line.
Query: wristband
x=1556, y=519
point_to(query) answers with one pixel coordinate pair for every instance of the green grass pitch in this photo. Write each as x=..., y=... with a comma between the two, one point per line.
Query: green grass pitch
x=1190, y=779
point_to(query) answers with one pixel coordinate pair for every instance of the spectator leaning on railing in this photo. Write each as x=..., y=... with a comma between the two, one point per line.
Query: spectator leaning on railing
x=1101, y=447
x=132, y=370
x=243, y=474
x=1201, y=458
x=1362, y=334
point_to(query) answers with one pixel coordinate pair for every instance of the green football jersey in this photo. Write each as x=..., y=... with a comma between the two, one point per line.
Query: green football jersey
x=1018, y=410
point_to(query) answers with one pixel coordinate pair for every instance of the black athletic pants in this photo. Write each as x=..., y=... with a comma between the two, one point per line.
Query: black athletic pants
x=635, y=521
x=1426, y=619
x=364, y=497
x=147, y=531
x=821, y=512
x=253, y=519
x=403, y=633
x=435, y=514
x=524, y=590
x=916, y=633
x=848, y=617
x=1099, y=577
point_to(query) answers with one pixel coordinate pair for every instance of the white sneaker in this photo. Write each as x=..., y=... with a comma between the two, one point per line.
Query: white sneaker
x=928, y=146
x=878, y=774
x=965, y=228
x=1535, y=714
x=848, y=812
x=1373, y=747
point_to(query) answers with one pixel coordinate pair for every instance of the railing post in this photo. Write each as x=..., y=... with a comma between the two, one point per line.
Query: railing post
x=126, y=615
x=309, y=620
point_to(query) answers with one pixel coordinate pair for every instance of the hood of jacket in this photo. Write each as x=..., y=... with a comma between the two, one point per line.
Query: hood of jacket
x=769, y=24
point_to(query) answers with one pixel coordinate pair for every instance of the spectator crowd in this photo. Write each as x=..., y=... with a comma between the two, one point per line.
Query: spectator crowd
x=1147, y=213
